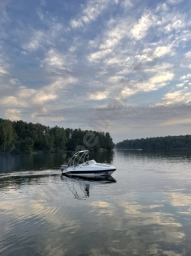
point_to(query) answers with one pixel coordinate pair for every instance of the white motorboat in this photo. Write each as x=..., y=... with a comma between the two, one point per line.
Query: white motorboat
x=77, y=166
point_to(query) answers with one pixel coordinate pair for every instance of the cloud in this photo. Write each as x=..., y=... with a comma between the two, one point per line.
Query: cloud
x=3, y=71
x=76, y=23
x=188, y=55
x=44, y=96
x=31, y=98
x=13, y=101
x=4, y=18
x=139, y=30
x=44, y=115
x=185, y=77
x=172, y=122
x=115, y=79
x=162, y=50
x=176, y=24
x=96, y=56
x=34, y=39
x=98, y=95
x=37, y=40
x=55, y=60
x=90, y=13
x=154, y=83
x=115, y=32
x=174, y=1
x=180, y=85
x=161, y=77
x=177, y=97
x=126, y=3
x=162, y=7
x=13, y=114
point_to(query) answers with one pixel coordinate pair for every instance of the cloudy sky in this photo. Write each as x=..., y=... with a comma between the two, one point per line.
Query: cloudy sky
x=122, y=66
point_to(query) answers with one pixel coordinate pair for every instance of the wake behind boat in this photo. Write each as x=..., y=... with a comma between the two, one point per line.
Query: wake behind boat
x=77, y=166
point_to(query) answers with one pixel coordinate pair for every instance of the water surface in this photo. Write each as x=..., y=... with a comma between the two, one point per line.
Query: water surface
x=144, y=210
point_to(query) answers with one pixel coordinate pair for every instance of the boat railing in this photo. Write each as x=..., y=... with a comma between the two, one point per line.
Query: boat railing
x=79, y=154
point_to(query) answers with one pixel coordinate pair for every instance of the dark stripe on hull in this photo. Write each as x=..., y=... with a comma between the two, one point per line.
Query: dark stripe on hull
x=87, y=172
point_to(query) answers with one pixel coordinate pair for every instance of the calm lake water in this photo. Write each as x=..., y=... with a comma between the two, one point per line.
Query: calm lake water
x=144, y=210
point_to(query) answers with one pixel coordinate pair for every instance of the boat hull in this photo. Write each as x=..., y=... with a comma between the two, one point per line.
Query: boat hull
x=88, y=173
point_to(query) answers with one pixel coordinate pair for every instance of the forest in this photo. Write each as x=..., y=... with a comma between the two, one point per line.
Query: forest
x=168, y=142
x=23, y=137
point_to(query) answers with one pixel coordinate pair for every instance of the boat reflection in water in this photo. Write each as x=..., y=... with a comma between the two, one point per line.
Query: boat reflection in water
x=80, y=187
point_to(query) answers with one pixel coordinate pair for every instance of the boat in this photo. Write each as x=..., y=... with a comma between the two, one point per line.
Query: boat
x=77, y=166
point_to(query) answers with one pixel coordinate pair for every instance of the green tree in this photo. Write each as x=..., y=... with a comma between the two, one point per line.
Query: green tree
x=7, y=136
x=25, y=146
x=109, y=141
x=59, y=136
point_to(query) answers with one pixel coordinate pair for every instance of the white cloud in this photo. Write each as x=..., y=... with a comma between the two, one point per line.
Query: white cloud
x=188, y=55
x=161, y=77
x=185, y=77
x=180, y=85
x=3, y=71
x=162, y=50
x=174, y=1
x=76, y=23
x=52, y=91
x=174, y=25
x=98, y=95
x=116, y=31
x=36, y=41
x=55, y=60
x=140, y=29
x=159, y=80
x=176, y=122
x=90, y=12
x=13, y=114
x=44, y=115
x=177, y=97
x=42, y=96
x=161, y=67
x=26, y=97
x=96, y=56
x=126, y=3
x=72, y=48
x=162, y=7
x=115, y=79
x=113, y=60
x=110, y=42
x=13, y=101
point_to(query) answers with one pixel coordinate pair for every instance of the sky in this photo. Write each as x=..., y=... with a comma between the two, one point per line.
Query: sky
x=118, y=66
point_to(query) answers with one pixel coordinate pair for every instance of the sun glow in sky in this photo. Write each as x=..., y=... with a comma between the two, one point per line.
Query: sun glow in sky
x=122, y=66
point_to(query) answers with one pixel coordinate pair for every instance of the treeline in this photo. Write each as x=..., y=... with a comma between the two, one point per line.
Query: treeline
x=23, y=137
x=168, y=142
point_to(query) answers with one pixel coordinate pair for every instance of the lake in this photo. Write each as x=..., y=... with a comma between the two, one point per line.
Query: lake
x=144, y=210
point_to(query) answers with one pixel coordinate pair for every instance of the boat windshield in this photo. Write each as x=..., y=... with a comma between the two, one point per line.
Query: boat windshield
x=92, y=162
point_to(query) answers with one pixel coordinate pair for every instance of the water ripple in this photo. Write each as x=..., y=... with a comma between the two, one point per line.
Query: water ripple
x=145, y=210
